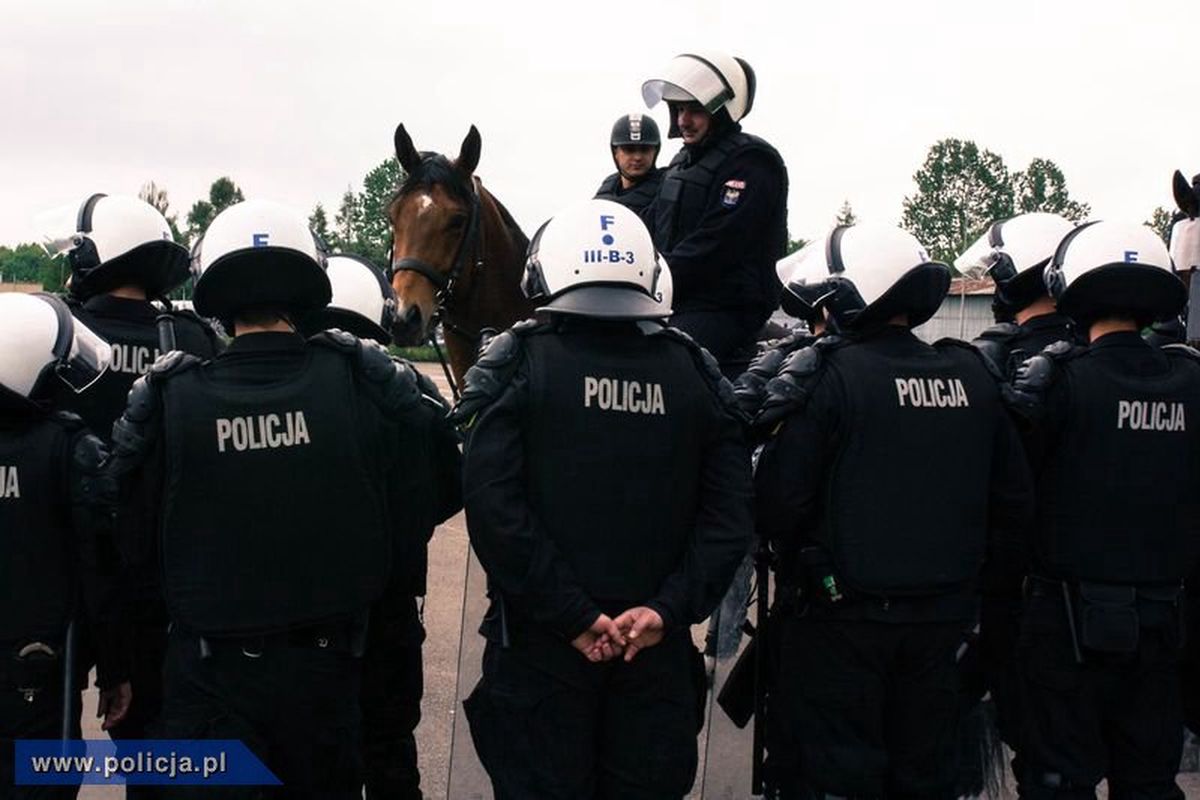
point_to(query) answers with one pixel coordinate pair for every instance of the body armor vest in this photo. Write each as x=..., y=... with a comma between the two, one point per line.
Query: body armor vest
x=630, y=414
x=1008, y=346
x=1117, y=498
x=134, y=347
x=635, y=199
x=299, y=532
x=906, y=509
x=37, y=569
x=685, y=192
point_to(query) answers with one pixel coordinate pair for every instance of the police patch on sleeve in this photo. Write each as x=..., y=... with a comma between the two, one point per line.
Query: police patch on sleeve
x=731, y=193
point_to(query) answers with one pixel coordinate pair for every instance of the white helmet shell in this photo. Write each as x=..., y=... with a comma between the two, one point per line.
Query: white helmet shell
x=1185, y=244
x=880, y=272
x=1114, y=268
x=259, y=253
x=1026, y=240
x=805, y=275
x=110, y=240
x=596, y=259
x=665, y=291
x=363, y=302
x=41, y=338
x=713, y=79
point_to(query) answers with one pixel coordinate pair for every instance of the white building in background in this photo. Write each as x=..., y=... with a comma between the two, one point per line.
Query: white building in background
x=965, y=313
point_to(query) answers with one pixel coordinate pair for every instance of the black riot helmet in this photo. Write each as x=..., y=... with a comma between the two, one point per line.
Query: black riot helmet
x=635, y=129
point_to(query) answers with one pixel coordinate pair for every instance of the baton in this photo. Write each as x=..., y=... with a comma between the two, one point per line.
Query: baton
x=69, y=689
x=166, y=333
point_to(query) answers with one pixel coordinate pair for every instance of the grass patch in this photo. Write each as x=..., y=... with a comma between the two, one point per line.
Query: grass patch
x=423, y=352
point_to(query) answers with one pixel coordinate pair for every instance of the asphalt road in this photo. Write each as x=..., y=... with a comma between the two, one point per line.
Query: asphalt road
x=443, y=614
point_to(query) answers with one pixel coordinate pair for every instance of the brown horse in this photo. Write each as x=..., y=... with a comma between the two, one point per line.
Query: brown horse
x=457, y=254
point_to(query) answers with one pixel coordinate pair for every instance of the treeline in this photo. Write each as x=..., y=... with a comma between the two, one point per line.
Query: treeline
x=961, y=188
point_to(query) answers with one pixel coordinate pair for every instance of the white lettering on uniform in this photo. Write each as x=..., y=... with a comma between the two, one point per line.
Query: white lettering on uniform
x=931, y=393
x=1151, y=415
x=10, y=486
x=631, y=397
x=262, y=432
x=132, y=359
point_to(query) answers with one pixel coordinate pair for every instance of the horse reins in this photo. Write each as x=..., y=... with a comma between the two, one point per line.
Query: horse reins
x=445, y=282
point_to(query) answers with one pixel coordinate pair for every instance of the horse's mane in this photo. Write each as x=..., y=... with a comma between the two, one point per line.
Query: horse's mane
x=520, y=240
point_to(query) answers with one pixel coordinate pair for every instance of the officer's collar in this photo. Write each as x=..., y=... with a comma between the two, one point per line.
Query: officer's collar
x=1051, y=320
x=266, y=341
x=107, y=305
x=1120, y=339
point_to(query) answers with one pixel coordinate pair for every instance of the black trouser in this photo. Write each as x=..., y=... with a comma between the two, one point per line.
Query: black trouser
x=392, y=685
x=32, y=716
x=1000, y=623
x=295, y=705
x=549, y=725
x=149, y=643
x=1115, y=715
x=866, y=708
x=728, y=335
x=1189, y=662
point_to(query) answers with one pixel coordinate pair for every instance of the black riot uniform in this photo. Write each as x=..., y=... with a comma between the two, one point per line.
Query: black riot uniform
x=129, y=325
x=59, y=564
x=274, y=486
x=637, y=197
x=605, y=469
x=1009, y=345
x=879, y=551
x=750, y=388
x=1116, y=457
x=392, y=678
x=720, y=221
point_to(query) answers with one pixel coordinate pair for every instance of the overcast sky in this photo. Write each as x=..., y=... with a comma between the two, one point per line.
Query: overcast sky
x=297, y=100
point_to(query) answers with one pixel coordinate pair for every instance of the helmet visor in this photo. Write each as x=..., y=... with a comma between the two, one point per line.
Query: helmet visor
x=688, y=78
x=87, y=361
x=58, y=229
x=980, y=257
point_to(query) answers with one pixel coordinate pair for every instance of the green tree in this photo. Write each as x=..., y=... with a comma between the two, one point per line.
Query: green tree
x=157, y=197
x=795, y=244
x=960, y=190
x=846, y=215
x=374, y=235
x=222, y=194
x=29, y=263
x=319, y=223
x=1042, y=187
x=1160, y=220
x=347, y=222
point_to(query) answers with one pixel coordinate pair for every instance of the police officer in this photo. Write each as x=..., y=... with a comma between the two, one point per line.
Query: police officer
x=1109, y=431
x=720, y=217
x=59, y=559
x=591, y=685
x=273, y=484
x=635, y=143
x=122, y=256
x=879, y=548
x=364, y=304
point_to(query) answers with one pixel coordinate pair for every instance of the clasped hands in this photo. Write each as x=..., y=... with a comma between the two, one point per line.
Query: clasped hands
x=632, y=631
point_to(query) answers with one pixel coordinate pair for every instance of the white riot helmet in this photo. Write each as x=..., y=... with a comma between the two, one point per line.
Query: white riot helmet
x=1185, y=230
x=112, y=241
x=715, y=80
x=42, y=342
x=1014, y=253
x=259, y=254
x=665, y=291
x=363, y=302
x=805, y=276
x=879, y=272
x=1114, y=269
x=594, y=259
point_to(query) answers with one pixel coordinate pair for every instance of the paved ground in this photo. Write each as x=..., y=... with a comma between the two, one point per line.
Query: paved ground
x=443, y=611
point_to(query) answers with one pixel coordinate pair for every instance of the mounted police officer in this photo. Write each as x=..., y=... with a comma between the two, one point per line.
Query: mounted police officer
x=364, y=304
x=273, y=486
x=879, y=549
x=59, y=563
x=1109, y=429
x=122, y=256
x=720, y=217
x=591, y=685
x=635, y=143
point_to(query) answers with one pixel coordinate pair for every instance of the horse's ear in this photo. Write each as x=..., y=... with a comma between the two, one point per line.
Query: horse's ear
x=468, y=156
x=1185, y=195
x=406, y=154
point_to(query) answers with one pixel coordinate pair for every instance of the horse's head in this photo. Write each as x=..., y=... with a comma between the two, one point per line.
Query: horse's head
x=1185, y=230
x=435, y=230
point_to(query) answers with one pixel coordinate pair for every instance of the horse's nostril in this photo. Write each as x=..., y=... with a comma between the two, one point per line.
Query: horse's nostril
x=412, y=316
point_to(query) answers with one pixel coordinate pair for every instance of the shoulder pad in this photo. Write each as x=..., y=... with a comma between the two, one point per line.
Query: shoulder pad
x=1035, y=377
x=1179, y=350
x=131, y=431
x=709, y=369
x=395, y=380
x=335, y=339
x=143, y=400
x=67, y=420
x=89, y=454
x=789, y=391
x=492, y=371
x=976, y=351
x=429, y=390
x=171, y=363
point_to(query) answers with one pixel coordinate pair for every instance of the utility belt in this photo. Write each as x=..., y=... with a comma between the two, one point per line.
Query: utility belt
x=1106, y=617
x=348, y=637
x=29, y=668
